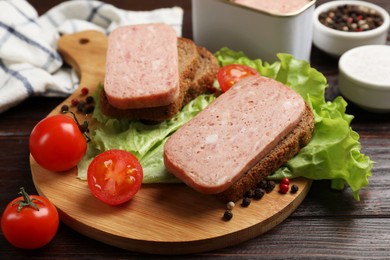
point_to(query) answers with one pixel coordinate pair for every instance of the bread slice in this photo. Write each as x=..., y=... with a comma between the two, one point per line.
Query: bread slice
x=277, y=157
x=245, y=134
x=197, y=70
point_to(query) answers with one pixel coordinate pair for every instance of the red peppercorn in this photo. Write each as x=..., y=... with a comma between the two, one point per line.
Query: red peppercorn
x=285, y=180
x=283, y=188
x=84, y=91
x=74, y=102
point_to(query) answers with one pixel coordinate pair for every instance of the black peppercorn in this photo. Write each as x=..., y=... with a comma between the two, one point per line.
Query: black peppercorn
x=246, y=202
x=259, y=193
x=65, y=108
x=89, y=100
x=294, y=188
x=249, y=193
x=228, y=215
x=262, y=184
x=270, y=186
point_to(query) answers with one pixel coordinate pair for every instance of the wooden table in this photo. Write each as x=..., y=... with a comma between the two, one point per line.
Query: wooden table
x=328, y=224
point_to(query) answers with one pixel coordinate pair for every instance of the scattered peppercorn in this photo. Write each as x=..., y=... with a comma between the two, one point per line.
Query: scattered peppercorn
x=262, y=184
x=294, y=188
x=285, y=180
x=84, y=91
x=89, y=100
x=228, y=215
x=270, y=186
x=283, y=188
x=351, y=18
x=89, y=109
x=74, y=102
x=80, y=106
x=249, y=193
x=230, y=205
x=259, y=193
x=65, y=108
x=246, y=202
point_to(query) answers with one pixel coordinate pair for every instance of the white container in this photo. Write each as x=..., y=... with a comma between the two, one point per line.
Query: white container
x=259, y=34
x=335, y=42
x=364, y=77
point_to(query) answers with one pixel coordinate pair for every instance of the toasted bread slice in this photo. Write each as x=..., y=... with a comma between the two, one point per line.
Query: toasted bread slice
x=277, y=157
x=197, y=70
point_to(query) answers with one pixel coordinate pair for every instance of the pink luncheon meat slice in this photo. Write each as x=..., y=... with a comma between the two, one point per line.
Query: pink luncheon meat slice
x=232, y=134
x=142, y=66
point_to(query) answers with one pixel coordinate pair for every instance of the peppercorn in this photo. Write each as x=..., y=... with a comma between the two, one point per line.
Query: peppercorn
x=89, y=100
x=249, y=193
x=230, y=205
x=259, y=193
x=74, y=102
x=246, y=202
x=84, y=91
x=65, y=108
x=270, y=186
x=80, y=106
x=262, y=184
x=351, y=18
x=294, y=188
x=89, y=109
x=228, y=215
x=283, y=188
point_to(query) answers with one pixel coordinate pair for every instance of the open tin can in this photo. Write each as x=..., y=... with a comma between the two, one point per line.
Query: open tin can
x=258, y=33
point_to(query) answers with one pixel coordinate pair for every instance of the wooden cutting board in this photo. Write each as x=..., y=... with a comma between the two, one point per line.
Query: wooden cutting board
x=161, y=218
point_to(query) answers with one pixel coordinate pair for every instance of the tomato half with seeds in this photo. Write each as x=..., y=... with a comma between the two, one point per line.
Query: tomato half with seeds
x=115, y=176
x=230, y=74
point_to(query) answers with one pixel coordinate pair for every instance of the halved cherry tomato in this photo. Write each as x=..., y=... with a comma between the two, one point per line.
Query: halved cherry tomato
x=115, y=176
x=29, y=221
x=57, y=144
x=230, y=74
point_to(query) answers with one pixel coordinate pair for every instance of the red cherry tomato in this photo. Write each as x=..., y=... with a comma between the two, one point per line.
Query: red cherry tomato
x=57, y=144
x=114, y=176
x=29, y=222
x=229, y=75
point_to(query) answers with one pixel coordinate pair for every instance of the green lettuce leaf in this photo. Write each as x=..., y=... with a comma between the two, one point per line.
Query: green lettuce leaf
x=145, y=141
x=334, y=150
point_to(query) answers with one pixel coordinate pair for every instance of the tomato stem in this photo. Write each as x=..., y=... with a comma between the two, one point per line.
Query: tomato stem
x=27, y=201
x=84, y=129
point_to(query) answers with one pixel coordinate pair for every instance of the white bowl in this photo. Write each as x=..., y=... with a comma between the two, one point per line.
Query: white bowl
x=364, y=77
x=335, y=42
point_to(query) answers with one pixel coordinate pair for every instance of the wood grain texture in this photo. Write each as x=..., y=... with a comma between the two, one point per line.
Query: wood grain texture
x=328, y=224
x=162, y=219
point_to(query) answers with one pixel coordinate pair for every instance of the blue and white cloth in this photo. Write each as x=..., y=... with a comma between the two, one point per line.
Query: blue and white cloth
x=29, y=62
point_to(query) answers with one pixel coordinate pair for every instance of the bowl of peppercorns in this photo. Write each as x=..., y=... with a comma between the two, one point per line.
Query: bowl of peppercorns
x=343, y=25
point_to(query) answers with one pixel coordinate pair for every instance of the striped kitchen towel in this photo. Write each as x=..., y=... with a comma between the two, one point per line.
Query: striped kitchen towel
x=29, y=62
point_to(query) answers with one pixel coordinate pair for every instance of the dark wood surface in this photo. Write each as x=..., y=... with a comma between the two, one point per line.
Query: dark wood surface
x=327, y=225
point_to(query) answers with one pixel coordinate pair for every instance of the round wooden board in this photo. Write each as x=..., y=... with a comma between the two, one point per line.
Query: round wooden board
x=161, y=218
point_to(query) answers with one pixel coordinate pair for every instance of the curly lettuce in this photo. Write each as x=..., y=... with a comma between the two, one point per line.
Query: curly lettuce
x=334, y=150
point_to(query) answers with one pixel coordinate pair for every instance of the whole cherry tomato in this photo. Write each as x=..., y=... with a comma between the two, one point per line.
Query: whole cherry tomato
x=114, y=176
x=57, y=144
x=29, y=222
x=229, y=75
